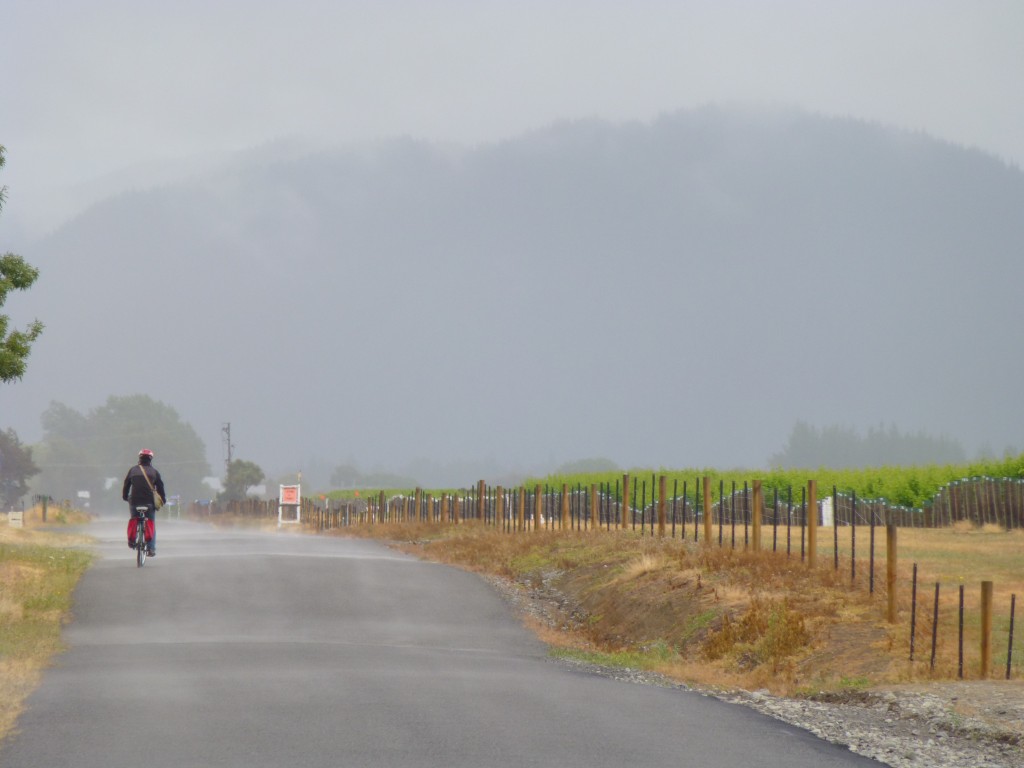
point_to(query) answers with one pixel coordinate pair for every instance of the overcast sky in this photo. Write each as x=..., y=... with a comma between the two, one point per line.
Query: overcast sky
x=93, y=87
x=100, y=96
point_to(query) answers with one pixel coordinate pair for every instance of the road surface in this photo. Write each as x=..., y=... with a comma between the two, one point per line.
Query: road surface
x=241, y=648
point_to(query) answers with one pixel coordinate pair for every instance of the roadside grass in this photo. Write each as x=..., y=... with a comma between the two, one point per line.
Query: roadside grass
x=726, y=617
x=39, y=569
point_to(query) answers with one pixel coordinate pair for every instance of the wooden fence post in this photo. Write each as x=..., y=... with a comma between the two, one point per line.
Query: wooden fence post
x=537, y=508
x=595, y=523
x=890, y=570
x=812, y=522
x=480, y=488
x=499, y=507
x=521, y=510
x=986, y=629
x=417, y=505
x=661, y=506
x=445, y=508
x=756, y=515
x=625, y=501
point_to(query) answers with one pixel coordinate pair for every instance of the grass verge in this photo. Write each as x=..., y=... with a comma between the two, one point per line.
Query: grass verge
x=39, y=569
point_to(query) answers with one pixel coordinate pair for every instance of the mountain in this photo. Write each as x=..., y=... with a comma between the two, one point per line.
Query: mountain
x=673, y=293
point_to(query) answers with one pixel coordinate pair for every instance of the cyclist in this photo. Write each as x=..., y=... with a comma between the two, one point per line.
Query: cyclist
x=139, y=484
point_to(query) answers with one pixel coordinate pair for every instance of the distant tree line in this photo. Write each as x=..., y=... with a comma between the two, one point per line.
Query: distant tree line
x=844, y=447
x=91, y=452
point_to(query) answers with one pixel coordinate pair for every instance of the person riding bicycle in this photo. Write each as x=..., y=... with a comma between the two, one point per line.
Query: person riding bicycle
x=139, y=484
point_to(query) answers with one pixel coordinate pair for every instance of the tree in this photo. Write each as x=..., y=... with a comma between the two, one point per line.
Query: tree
x=346, y=476
x=16, y=467
x=242, y=475
x=92, y=452
x=15, y=275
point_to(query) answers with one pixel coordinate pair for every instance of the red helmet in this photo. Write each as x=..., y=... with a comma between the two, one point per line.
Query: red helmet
x=145, y=452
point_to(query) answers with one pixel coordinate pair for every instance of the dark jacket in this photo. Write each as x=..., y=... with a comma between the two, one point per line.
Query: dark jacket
x=136, y=490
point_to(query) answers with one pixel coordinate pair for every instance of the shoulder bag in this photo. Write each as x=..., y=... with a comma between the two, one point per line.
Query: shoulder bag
x=158, y=500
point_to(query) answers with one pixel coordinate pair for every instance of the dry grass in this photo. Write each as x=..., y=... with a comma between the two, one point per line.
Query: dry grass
x=643, y=565
x=38, y=572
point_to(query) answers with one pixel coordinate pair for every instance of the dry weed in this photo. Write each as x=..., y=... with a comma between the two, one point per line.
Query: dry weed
x=646, y=563
x=768, y=632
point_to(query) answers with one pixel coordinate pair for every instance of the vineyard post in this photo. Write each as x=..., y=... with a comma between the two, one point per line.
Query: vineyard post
x=890, y=570
x=758, y=506
x=480, y=500
x=661, y=507
x=812, y=522
x=707, y=510
x=986, y=629
x=565, y=506
x=381, y=507
x=499, y=506
x=417, y=504
x=445, y=509
x=625, y=501
x=594, y=522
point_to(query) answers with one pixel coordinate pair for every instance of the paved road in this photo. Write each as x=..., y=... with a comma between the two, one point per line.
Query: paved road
x=236, y=648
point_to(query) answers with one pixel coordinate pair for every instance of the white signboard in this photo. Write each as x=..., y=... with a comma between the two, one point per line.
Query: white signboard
x=289, y=505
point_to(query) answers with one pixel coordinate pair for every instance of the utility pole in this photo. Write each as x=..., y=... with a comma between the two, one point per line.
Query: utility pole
x=226, y=430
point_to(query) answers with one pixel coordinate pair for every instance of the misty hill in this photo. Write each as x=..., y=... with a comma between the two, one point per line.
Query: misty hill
x=674, y=293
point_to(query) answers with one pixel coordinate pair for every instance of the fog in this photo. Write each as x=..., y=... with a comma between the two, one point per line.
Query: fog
x=488, y=238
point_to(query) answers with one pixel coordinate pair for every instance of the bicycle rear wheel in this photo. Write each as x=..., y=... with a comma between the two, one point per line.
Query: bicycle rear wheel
x=140, y=545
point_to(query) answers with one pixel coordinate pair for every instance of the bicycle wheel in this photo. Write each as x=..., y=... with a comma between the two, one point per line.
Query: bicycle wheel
x=140, y=545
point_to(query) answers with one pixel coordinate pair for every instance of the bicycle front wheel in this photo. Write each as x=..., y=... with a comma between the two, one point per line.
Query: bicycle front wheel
x=140, y=546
